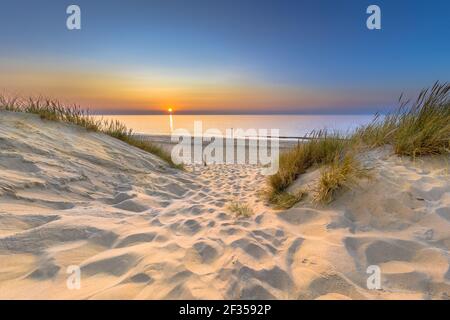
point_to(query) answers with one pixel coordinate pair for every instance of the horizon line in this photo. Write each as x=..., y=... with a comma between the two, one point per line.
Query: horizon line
x=139, y=113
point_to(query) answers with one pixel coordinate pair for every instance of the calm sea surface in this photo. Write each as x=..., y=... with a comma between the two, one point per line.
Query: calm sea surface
x=289, y=125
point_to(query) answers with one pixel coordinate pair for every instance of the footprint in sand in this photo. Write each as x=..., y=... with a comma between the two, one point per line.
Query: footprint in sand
x=374, y=251
x=136, y=238
x=334, y=283
x=10, y=224
x=140, y=278
x=46, y=270
x=120, y=197
x=38, y=239
x=115, y=265
x=208, y=252
x=131, y=205
x=274, y=277
x=250, y=248
x=298, y=216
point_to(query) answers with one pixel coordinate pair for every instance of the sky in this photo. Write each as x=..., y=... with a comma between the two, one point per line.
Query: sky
x=224, y=56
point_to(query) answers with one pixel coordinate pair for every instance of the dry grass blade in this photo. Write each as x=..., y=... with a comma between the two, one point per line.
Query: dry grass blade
x=340, y=174
x=284, y=200
x=240, y=209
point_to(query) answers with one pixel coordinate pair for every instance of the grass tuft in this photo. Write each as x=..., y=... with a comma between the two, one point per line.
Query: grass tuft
x=413, y=129
x=321, y=149
x=240, y=209
x=284, y=200
x=342, y=173
x=53, y=110
x=417, y=129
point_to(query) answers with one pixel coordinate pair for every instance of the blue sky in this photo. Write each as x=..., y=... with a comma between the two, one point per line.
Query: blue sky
x=225, y=56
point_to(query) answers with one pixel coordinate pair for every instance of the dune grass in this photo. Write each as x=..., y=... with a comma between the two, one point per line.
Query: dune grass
x=240, y=209
x=413, y=129
x=320, y=149
x=342, y=173
x=284, y=200
x=53, y=110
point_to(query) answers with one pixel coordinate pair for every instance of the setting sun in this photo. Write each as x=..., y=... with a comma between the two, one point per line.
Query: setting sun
x=170, y=110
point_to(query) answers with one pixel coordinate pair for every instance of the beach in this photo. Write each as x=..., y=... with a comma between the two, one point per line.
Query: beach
x=139, y=229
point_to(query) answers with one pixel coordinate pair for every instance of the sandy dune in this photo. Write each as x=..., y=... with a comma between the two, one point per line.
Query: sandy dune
x=141, y=230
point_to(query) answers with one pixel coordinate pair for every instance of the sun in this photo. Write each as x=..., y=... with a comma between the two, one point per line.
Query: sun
x=170, y=110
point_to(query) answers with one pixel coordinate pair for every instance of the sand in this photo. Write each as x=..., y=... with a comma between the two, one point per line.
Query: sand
x=138, y=229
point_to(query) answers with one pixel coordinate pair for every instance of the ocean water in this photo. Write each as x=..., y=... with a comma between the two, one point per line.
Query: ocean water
x=288, y=125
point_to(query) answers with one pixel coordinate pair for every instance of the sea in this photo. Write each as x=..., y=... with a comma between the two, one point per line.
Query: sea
x=288, y=125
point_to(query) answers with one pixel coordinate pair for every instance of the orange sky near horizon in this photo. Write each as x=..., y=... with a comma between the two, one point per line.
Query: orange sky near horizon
x=153, y=91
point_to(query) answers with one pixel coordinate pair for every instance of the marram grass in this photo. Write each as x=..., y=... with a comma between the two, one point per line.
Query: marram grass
x=321, y=149
x=240, y=209
x=284, y=200
x=53, y=110
x=342, y=173
x=414, y=129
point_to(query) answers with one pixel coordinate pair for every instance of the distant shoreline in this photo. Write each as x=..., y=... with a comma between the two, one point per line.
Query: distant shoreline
x=164, y=113
x=165, y=139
